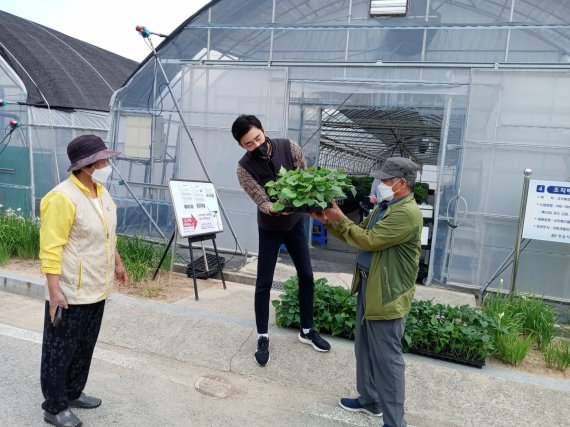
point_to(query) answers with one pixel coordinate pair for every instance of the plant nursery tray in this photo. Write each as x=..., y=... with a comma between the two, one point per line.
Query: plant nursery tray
x=200, y=268
x=449, y=358
x=310, y=209
x=303, y=209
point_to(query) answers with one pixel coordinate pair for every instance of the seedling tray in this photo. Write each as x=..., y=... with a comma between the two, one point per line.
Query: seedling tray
x=449, y=358
x=310, y=209
x=304, y=209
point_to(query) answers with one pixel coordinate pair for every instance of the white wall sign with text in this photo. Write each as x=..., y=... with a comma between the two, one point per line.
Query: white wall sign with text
x=196, y=208
x=547, y=215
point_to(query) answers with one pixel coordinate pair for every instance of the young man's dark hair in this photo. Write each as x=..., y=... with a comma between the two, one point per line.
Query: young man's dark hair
x=260, y=164
x=243, y=124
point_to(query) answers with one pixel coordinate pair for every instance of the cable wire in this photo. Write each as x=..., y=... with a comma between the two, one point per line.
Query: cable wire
x=7, y=134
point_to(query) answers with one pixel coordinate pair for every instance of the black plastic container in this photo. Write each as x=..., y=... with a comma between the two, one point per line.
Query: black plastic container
x=449, y=358
x=200, y=268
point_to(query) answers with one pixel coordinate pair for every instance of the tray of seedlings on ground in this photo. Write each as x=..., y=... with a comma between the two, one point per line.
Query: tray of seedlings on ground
x=309, y=190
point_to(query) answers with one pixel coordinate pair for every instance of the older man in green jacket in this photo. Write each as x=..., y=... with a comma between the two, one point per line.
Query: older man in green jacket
x=387, y=265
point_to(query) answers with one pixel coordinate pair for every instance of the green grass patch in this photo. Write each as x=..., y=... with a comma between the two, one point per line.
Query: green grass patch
x=20, y=236
x=557, y=355
x=140, y=257
x=5, y=252
x=523, y=314
x=513, y=347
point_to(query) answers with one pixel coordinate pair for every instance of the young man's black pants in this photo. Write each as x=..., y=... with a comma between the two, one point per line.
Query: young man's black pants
x=66, y=354
x=296, y=243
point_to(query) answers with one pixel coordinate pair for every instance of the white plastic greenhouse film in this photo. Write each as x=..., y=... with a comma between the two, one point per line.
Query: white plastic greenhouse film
x=517, y=120
x=212, y=99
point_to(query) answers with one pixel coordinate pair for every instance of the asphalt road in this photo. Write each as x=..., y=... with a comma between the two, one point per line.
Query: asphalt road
x=143, y=389
x=152, y=358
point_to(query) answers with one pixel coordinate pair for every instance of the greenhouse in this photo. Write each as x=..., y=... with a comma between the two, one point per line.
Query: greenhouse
x=474, y=91
x=52, y=88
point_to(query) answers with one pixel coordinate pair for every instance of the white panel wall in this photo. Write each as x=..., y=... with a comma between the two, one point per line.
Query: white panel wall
x=516, y=120
x=212, y=99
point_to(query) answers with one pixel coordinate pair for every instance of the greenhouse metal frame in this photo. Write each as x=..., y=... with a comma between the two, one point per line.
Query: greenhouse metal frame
x=55, y=88
x=476, y=91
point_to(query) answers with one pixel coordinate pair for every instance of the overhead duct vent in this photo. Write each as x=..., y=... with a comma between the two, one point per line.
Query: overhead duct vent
x=388, y=7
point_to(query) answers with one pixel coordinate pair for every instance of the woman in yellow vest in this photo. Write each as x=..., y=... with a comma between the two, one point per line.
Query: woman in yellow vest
x=80, y=261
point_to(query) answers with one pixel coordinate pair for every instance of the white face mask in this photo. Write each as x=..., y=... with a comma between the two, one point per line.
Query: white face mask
x=386, y=191
x=101, y=175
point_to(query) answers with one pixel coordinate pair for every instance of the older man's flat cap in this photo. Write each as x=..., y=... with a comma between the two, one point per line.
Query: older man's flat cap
x=397, y=167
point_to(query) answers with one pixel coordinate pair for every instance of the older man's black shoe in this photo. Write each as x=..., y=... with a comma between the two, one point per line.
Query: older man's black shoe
x=85, y=402
x=64, y=418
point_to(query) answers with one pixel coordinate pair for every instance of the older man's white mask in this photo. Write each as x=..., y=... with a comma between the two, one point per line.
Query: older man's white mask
x=385, y=191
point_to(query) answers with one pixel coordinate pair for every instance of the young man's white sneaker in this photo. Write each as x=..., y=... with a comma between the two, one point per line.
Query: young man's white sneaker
x=314, y=339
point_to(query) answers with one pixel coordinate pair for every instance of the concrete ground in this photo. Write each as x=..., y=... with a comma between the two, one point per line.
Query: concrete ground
x=152, y=358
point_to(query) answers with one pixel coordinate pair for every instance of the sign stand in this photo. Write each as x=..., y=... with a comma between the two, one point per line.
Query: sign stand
x=201, y=240
x=197, y=218
x=544, y=215
x=192, y=263
x=524, y=198
x=164, y=255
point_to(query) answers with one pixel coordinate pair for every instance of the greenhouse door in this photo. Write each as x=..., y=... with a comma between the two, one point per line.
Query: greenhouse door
x=447, y=196
x=351, y=135
x=212, y=97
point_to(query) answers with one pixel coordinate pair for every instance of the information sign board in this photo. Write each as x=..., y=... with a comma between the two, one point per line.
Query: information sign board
x=547, y=215
x=195, y=207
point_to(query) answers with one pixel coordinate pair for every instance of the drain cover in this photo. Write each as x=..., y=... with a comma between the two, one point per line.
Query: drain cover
x=213, y=385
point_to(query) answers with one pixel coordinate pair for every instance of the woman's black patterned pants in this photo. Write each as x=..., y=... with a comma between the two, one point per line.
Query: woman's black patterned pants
x=66, y=353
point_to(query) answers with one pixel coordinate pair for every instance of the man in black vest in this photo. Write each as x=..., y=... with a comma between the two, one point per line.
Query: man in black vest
x=259, y=165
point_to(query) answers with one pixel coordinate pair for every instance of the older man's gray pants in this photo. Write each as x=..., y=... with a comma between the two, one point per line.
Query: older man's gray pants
x=380, y=368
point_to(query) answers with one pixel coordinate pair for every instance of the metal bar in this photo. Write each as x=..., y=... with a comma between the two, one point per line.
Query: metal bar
x=219, y=263
x=15, y=186
x=187, y=129
x=508, y=42
x=32, y=177
x=139, y=202
x=272, y=33
x=193, y=269
x=209, y=42
x=437, y=203
x=147, y=185
x=36, y=125
x=424, y=37
x=328, y=27
x=349, y=21
x=527, y=174
x=493, y=65
x=164, y=255
x=206, y=267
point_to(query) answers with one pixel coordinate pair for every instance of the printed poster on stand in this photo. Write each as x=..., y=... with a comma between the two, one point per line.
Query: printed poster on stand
x=195, y=207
